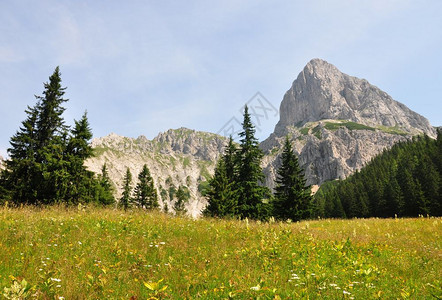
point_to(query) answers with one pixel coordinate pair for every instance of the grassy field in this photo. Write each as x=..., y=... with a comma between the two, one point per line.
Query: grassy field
x=59, y=253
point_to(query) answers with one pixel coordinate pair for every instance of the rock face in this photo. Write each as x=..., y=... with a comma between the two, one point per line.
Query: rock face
x=176, y=157
x=321, y=91
x=338, y=123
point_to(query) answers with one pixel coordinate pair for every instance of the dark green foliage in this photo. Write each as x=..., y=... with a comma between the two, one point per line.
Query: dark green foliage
x=127, y=190
x=183, y=196
x=46, y=163
x=105, y=191
x=78, y=150
x=21, y=169
x=145, y=192
x=292, y=199
x=252, y=195
x=402, y=181
x=237, y=187
x=221, y=193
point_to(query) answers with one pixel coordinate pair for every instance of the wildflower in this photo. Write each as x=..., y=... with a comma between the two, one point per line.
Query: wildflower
x=162, y=243
x=256, y=288
x=346, y=293
x=55, y=279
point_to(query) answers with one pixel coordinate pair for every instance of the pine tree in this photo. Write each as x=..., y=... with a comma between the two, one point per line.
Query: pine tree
x=249, y=178
x=104, y=189
x=292, y=199
x=78, y=150
x=230, y=162
x=145, y=193
x=183, y=196
x=127, y=190
x=21, y=168
x=221, y=196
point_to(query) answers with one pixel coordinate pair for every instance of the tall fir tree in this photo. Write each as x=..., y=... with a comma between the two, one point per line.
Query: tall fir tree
x=21, y=168
x=182, y=198
x=127, y=190
x=104, y=189
x=253, y=196
x=145, y=193
x=292, y=199
x=78, y=150
x=221, y=194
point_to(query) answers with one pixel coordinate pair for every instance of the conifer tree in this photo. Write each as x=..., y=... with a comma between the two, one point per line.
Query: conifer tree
x=21, y=168
x=292, y=197
x=249, y=178
x=78, y=150
x=145, y=193
x=221, y=193
x=183, y=196
x=127, y=190
x=104, y=190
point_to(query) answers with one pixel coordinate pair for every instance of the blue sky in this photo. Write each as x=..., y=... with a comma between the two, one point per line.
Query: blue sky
x=142, y=67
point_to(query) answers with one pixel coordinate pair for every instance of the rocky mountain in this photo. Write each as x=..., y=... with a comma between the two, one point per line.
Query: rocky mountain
x=176, y=157
x=338, y=123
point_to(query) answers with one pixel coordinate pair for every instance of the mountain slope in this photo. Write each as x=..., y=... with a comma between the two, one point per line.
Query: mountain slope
x=176, y=157
x=338, y=123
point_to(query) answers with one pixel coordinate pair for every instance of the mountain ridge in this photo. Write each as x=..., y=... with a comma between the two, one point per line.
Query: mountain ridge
x=336, y=123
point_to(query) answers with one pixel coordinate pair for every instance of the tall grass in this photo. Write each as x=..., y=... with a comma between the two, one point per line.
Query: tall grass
x=87, y=253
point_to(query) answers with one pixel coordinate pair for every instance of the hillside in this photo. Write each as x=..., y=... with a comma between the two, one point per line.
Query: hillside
x=176, y=157
x=111, y=254
x=338, y=123
x=405, y=180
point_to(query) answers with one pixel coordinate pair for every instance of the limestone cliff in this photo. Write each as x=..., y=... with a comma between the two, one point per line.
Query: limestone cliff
x=337, y=123
x=176, y=157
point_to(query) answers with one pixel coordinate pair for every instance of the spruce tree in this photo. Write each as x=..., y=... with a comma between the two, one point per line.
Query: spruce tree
x=221, y=194
x=21, y=168
x=104, y=189
x=249, y=178
x=292, y=199
x=127, y=190
x=78, y=150
x=145, y=193
x=183, y=196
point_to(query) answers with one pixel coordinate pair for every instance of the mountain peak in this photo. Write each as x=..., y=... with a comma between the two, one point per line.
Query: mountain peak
x=321, y=92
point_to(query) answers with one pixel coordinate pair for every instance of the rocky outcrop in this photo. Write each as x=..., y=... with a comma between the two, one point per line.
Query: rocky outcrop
x=321, y=91
x=338, y=123
x=328, y=154
x=176, y=157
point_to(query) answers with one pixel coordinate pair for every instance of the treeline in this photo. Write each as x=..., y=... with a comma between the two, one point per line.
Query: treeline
x=405, y=181
x=237, y=188
x=46, y=157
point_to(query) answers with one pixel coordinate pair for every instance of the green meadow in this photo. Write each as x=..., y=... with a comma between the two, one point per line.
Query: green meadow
x=96, y=253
